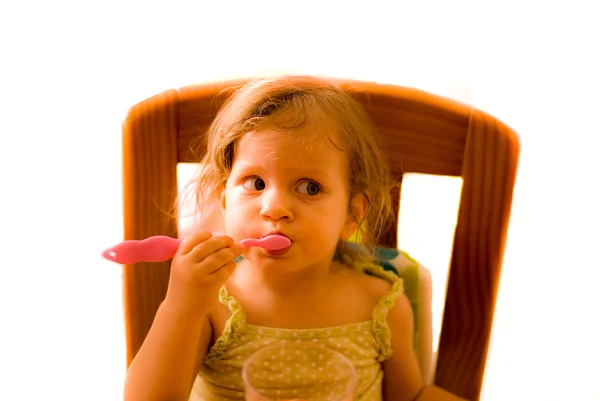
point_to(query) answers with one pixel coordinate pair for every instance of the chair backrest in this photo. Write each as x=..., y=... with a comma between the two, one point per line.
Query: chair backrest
x=420, y=132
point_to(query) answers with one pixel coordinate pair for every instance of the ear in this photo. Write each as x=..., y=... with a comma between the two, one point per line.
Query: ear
x=221, y=196
x=357, y=211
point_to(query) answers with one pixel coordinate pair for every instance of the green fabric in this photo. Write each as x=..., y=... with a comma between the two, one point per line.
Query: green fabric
x=365, y=344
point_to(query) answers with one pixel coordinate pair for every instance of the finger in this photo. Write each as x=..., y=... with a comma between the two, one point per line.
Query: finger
x=224, y=272
x=192, y=240
x=217, y=260
x=211, y=245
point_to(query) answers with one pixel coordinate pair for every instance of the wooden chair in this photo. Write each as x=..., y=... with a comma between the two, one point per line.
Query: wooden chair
x=421, y=133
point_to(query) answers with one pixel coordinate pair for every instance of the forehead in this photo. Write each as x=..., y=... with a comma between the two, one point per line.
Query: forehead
x=305, y=147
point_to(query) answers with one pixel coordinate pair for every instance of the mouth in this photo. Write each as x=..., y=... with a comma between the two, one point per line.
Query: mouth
x=279, y=252
x=275, y=233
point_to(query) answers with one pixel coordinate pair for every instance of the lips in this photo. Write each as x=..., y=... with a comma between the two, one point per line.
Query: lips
x=280, y=252
x=276, y=233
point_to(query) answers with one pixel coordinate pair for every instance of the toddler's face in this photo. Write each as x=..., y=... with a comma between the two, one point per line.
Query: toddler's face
x=279, y=185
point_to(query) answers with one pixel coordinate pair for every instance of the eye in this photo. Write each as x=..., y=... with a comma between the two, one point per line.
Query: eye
x=254, y=183
x=309, y=188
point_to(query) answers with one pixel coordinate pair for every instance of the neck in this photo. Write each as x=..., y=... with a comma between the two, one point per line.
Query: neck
x=280, y=282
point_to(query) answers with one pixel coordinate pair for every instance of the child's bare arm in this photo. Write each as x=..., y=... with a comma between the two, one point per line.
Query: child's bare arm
x=433, y=393
x=168, y=361
x=402, y=377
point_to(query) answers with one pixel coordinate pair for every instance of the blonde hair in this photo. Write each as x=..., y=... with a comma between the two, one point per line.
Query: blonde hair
x=311, y=100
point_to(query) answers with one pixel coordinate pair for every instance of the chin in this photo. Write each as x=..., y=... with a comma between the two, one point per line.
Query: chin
x=272, y=260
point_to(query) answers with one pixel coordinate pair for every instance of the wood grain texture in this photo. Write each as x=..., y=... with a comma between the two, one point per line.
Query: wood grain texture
x=489, y=170
x=149, y=188
x=419, y=132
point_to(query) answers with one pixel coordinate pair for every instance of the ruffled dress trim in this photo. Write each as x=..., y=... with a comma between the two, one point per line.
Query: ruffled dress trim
x=381, y=330
x=236, y=324
x=233, y=326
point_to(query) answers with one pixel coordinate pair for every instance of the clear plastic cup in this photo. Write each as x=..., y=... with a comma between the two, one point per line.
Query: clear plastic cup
x=298, y=371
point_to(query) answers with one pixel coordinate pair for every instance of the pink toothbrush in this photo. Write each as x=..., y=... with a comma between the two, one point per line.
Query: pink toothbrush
x=161, y=247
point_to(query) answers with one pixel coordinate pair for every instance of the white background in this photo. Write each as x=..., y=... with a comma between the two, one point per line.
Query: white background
x=70, y=70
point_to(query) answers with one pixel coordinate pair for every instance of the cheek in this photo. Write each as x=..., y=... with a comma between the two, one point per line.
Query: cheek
x=235, y=209
x=333, y=219
x=233, y=224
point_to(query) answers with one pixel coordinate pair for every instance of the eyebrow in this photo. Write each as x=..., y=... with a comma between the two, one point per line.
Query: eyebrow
x=315, y=171
x=305, y=172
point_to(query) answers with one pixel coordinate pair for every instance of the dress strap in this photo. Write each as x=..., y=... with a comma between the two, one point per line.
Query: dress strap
x=232, y=329
x=381, y=330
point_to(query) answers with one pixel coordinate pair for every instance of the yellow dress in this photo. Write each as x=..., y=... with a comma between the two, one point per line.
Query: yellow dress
x=365, y=344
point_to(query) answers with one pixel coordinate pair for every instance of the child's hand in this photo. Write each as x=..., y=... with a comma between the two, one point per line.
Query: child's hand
x=200, y=267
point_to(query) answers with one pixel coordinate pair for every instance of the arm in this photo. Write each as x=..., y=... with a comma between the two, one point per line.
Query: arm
x=425, y=326
x=169, y=359
x=433, y=393
x=402, y=377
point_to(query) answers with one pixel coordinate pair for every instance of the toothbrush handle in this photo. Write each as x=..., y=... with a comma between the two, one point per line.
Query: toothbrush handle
x=153, y=249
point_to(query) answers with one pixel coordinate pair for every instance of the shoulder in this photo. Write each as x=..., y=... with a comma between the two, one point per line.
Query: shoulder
x=369, y=285
x=385, y=290
x=376, y=288
x=400, y=317
x=372, y=289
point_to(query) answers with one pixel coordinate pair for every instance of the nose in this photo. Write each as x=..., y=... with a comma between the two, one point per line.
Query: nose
x=276, y=205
